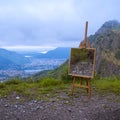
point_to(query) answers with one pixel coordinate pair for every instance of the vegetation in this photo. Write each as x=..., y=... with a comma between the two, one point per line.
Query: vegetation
x=31, y=88
x=81, y=55
x=48, y=86
x=111, y=84
x=51, y=82
x=117, y=55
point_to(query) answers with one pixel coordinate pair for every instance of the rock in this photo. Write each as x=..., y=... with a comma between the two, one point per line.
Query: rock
x=41, y=107
x=69, y=110
x=80, y=111
x=35, y=101
x=48, y=95
x=6, y=105
x=17, y=98
x=16, y=106
x=23, y=111
x=67, y=102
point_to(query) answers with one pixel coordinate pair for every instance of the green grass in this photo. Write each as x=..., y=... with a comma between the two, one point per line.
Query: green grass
x=109, y=85
x=50, y=82
x=31, y=89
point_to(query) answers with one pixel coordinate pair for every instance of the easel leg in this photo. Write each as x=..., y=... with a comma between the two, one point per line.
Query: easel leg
x=88, y=89
x=73, y=85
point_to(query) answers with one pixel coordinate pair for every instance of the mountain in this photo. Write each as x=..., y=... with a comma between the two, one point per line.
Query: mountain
x=108, y=26
x=60, y=52
x=9, y=59
x=107, y=43
x=30, y=54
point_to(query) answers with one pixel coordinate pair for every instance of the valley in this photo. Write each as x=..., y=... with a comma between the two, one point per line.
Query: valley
x=30, y=63
x=36, y=65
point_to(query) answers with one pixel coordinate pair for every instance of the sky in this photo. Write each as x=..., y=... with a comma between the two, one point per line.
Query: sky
x=46, y=24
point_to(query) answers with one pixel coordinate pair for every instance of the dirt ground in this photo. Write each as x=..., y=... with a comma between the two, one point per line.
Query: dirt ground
x=61, y=106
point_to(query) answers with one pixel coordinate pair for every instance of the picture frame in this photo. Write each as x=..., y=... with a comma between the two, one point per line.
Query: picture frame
x=82, y=62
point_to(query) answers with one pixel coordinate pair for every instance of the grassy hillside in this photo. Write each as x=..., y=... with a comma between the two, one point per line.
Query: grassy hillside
x=34, y=89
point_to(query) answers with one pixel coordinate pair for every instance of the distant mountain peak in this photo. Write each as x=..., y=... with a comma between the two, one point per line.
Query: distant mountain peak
x=108, y=26
x=111, y=24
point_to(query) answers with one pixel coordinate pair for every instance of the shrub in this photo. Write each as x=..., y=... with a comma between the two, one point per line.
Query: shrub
x=2, y=85
x=64, y=75
x=117, y=54
x=50, y=82
x=13, y=81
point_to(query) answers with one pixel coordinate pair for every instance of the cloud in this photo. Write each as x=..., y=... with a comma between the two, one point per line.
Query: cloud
x=52, y=22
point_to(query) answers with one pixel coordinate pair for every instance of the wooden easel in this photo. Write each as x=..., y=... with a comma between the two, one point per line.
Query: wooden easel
x=87, y=79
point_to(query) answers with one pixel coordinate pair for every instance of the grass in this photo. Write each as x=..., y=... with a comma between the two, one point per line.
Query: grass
x=111, y=84
x=50, y=82
x=32, y=89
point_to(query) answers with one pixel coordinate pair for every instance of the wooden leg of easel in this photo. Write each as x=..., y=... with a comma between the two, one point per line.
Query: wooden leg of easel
x=73, y=85
x=88, y=89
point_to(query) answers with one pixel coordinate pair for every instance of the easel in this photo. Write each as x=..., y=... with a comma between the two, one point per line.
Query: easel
x=87, y=79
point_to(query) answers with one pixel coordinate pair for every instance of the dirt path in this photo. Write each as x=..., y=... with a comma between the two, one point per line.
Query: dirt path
x=61, y=107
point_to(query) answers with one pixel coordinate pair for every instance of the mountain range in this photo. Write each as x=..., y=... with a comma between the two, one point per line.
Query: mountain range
x=57, y=53
x=13, y=60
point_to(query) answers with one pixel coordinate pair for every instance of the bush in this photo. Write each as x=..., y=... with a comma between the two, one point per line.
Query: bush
x=14, y=81
x=64, y=75
x=2, y=85
x=50, y=82
x=117, y=55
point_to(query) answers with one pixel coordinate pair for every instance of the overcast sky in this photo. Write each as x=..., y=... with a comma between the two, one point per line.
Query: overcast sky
x=47, y=24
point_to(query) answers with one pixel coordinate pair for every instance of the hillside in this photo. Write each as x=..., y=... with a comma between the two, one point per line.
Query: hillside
x=107, y=42
x=9, y=59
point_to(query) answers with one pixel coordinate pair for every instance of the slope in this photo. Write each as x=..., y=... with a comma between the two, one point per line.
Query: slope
x=9, y=59
x=107, y=42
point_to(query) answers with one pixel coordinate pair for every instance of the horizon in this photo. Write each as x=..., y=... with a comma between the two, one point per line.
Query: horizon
x=38, y=49
x=34, y=49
